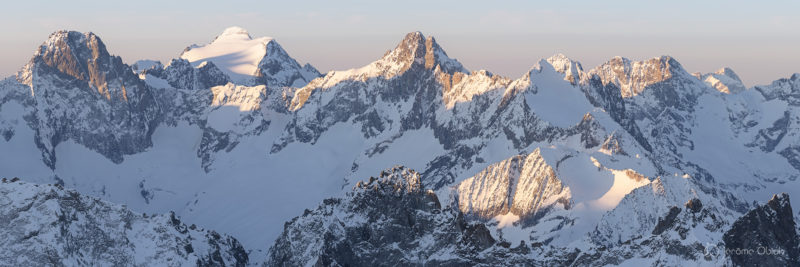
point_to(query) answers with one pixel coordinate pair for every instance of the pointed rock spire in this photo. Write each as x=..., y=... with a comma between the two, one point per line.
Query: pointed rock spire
x=415, y=48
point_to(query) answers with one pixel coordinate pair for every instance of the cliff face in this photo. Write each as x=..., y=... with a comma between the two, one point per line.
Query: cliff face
x=390, y=219
x=765, y=236
x=82, y=93
x=520, y=185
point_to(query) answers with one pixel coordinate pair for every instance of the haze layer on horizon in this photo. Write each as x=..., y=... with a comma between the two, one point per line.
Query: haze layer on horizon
x=757, y=40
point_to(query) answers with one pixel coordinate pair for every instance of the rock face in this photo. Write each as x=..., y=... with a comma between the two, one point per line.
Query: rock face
x=179, y=73
x=765, y=236
x=633, y=77
x=48, y=225
x=521, y=185
x=389, y=219
x=278, y=69
x=786, y=89
x=117, y=111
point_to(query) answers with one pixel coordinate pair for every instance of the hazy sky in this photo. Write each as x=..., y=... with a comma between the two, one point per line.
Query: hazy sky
x=759, y=40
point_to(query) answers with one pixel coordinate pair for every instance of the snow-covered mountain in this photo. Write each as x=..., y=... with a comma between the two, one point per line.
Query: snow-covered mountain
x=251, y=61
x=389, y=219
x=116, y=111
x=394, y=219
x=634, y=162
x=50, y=225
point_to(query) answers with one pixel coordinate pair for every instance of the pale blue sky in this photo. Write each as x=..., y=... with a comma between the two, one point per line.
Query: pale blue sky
x=760, y=41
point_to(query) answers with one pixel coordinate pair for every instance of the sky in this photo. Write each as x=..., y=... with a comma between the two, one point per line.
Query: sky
x=757, y=39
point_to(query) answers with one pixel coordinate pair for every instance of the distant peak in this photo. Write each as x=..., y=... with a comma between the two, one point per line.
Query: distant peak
x=558, y=57
x=84, y=58
x=411, y=46
x=724, y=80
x=63, y=35
x=415, y=36
x=74, y=53
x=662, y=60
x=63, y=38
x=244, y=58
x=235, y=31
x=729, y=73
x=632, y=77
x=664, y=64
x=570, y=68
x=666, y=61
x=416, y=48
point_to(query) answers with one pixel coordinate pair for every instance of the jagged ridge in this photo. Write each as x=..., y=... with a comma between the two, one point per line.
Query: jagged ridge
x=49, y=225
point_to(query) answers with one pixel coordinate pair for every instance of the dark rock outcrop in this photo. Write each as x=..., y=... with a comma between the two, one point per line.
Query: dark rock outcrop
x=667, y=221
x=179, y=73
x=390, y=220
x=765, y=236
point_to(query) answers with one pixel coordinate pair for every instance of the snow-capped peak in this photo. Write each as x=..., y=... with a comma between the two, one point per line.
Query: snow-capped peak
x=728, y=72
x=249, y=61
x=724, y=80
x=234, y=52
x=414, y=50
x=571, y=69
x=235, y=31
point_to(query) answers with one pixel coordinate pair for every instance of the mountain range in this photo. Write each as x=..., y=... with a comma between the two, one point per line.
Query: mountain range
x=410, y=160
